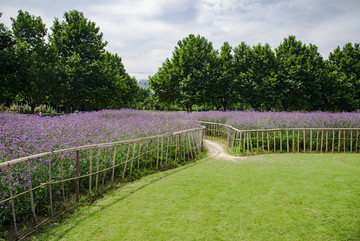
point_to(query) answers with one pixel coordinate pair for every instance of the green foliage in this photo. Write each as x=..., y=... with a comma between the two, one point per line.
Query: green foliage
x=7, y=63
x=344, y=67
x=30, y=79
x=185, y=77
x=299, y=75
x=255, y=70
x=71, y=69
x=293, y=77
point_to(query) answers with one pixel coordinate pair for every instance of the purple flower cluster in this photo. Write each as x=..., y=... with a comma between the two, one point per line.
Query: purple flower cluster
x=247, y=120
x=24, y=135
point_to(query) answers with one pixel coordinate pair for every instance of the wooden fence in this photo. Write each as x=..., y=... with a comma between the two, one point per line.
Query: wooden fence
x=38, y=185
x=322, y=140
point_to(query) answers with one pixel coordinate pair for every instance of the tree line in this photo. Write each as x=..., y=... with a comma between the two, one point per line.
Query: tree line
x=69, y=68
x=293, y=77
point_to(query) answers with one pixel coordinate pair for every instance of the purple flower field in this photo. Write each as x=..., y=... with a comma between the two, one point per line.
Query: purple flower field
x=24, y=135
x=247, y=120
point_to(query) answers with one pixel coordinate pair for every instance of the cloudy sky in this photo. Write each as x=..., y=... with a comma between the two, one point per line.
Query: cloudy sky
x=145, y=32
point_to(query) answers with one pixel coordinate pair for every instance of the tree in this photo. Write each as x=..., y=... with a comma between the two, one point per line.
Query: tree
x=79, y=46
x=300, y=76
x=222, y=88
x=186, y=77
x=255, y=69
x=31, y=78
x=7, y=62
x=344, y=65
x=165, y=82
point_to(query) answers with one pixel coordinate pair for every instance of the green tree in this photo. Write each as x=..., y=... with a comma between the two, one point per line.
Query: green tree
x=31, y=78
x=7, y=62
x=300, y=76
x=255, y=69
x=79, y=46
x=165, y=83
x=118, y=88
x=344, y=65
x=222, y=88
x=186, y=77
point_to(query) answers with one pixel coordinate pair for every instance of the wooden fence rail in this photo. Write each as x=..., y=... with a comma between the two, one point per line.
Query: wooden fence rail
x=322, y=140
x=36, y=186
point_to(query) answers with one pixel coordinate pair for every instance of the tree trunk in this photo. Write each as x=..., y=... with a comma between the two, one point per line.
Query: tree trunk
x=32, y=106
x=67, y=108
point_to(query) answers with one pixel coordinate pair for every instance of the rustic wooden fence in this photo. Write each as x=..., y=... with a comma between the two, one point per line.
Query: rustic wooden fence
x=36, y=186
x=322, y=140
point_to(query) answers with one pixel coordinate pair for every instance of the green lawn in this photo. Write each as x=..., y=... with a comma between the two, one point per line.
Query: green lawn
x=265, y=197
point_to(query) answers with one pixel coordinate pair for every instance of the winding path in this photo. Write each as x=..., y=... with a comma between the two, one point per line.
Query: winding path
x=217, y=150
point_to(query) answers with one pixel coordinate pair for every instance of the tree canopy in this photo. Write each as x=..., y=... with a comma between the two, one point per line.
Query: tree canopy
x=294, y=76
x=72, y=68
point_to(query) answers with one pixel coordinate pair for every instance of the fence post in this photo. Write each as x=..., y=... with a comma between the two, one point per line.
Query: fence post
x=12, y=200
x=77, y=175
x=32, y=205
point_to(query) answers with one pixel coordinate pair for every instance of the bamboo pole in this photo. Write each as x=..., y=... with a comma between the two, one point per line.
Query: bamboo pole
x=317, y=141
x=322, y=141
x=152, y=152
x=113, y=166
x=176, y=147
x=344, y=142
x=333, y=141
x=304, y=134
x=262, y=141
x=339, y=146
x=247, y=143
x=293, y=141
x=190, y=146
x=32, y=204
x=311, y=137
x=287, y=141
x=240, y=143
x=77, y=175
x=357, y=141
x=251, y=141
x=171, y=146
x=326, y=140
x=280, y=141
x=298, y=141
x=274, y=141
x=126, y=161
x=195, y=144
x=50, y=191
x=104, y=172
x=139, y=156
x=351, y=140
x=90, y=171
x=167, y=149
x=184, y=147
x=233, y=138
x=97, y=168
x=161, y=151
x=268, y=142
x=157, y=154
x=132, y=158
x=257, y=142
x=12, y=200
x=62, y=177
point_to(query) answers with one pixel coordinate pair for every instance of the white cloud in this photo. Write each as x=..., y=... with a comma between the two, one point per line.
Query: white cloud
x=145, y=32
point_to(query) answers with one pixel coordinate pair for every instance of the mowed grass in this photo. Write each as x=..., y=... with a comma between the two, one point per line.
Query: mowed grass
x=266, y=197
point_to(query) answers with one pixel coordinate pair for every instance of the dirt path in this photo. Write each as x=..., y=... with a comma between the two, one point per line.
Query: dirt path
x=217, y=150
